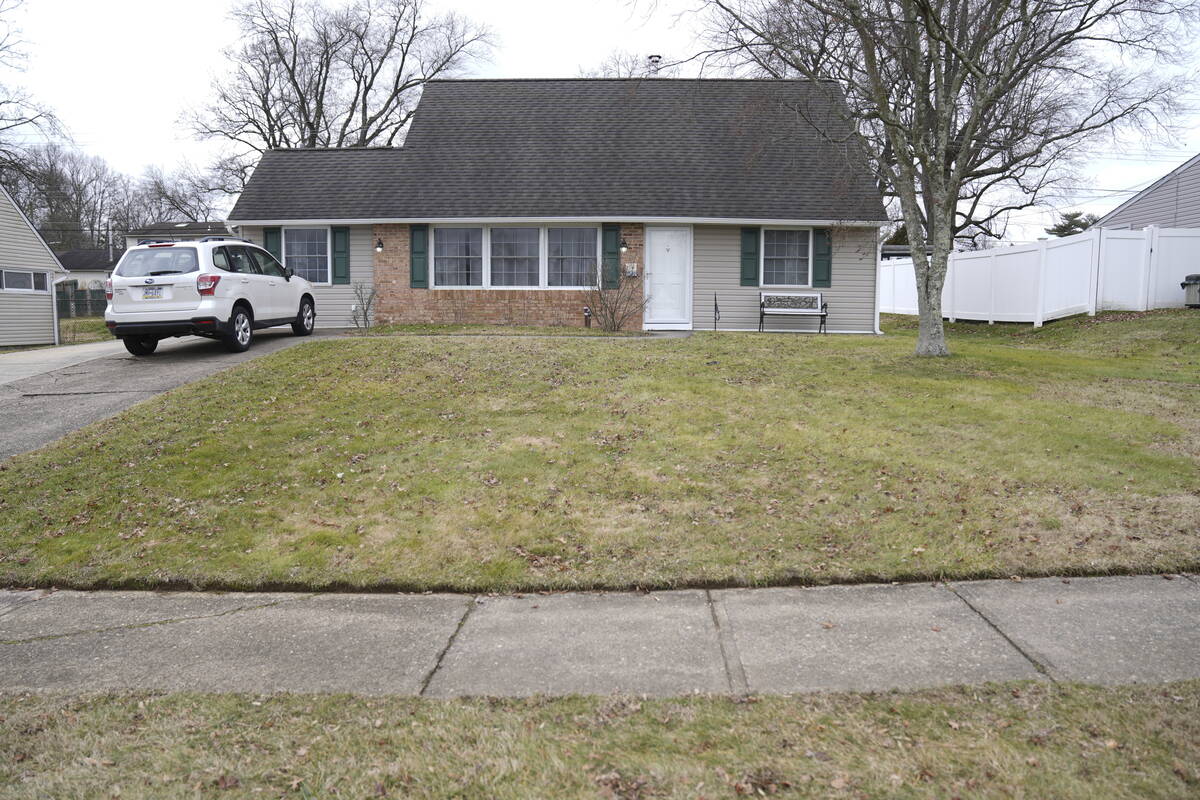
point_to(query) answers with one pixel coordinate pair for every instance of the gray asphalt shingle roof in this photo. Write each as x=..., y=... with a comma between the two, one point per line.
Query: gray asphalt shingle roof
x=588, y=148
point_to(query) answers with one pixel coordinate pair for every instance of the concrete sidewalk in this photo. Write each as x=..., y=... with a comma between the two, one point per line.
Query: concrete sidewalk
x=1099, y=630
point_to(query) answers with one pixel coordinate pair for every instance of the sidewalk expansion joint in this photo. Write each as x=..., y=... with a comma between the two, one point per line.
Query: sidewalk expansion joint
x=1042, y=669
x=437, y=662
x=96, y=391
x=154, y=623
x=735, y=672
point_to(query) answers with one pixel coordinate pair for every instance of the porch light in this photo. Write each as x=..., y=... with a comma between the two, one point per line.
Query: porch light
x=624, y=245
x=379, y=245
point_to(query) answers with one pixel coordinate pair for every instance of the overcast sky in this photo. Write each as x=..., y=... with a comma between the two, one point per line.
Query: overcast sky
x=120, y=73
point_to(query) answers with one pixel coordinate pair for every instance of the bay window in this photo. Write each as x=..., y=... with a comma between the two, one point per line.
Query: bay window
x=786, y=257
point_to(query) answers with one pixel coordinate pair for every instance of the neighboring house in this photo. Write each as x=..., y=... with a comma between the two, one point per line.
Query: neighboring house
x=176, y=232
x=511, y=197
x=28, y=270
x=1173, y=201
x=87, y=268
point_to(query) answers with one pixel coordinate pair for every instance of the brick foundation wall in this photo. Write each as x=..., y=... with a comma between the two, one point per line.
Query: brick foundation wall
x=397, y=302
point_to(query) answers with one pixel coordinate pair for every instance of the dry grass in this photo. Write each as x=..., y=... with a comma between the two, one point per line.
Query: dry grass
x=1017, y=740
x=491, y=464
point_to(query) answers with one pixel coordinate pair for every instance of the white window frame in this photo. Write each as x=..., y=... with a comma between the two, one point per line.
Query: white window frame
x=30, y=273
x=762, y=257
x=328, y=249
x=543, y=256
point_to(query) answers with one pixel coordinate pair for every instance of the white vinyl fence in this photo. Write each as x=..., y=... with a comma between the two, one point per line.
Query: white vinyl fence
x=1100, y=269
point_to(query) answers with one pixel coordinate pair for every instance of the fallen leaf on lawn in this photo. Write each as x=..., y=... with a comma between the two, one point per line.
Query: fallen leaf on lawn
x=227, y=782
x=1111, y=744
x=954, y=725
x=838, y=783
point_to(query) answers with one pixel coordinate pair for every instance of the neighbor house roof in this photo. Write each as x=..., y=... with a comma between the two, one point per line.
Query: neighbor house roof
x=88, y=260
x=1172, y=201
x=666, y=148
x=181, y=229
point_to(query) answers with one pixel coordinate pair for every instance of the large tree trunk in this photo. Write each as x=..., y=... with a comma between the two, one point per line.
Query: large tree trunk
x=931, y=276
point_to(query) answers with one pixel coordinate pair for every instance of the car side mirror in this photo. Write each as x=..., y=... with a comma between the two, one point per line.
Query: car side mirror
x=288, y=272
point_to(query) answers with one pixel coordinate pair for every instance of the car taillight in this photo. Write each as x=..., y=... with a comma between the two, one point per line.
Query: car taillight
x=207, y=284
x=108, y=289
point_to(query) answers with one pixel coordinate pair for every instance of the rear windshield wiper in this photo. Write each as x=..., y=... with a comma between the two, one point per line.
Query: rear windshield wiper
x=166, y=272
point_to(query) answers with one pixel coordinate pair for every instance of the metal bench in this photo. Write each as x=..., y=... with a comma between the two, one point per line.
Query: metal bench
x=792, y=304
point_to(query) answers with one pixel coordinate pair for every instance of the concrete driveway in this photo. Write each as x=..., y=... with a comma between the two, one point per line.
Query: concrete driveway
x=45, y=394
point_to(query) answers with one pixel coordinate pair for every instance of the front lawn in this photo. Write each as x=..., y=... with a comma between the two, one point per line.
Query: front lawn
x=505, y=463
x=1017, y=740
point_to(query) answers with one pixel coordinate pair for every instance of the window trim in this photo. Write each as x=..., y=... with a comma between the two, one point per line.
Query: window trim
x=32, y=282
x=328, y=249
x=762, y=257
x=486, y=258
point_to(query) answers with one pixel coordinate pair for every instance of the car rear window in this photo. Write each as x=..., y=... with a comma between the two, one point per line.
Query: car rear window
x=158, y=261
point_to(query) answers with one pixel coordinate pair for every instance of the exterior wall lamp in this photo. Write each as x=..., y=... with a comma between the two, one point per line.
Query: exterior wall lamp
x=379, y=245
x=624, y=245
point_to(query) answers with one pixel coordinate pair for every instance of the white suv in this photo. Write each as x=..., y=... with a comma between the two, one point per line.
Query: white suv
x=219, y=286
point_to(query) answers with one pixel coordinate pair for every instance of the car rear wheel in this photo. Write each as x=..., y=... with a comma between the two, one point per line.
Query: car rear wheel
x=140, y=345
x=305, y=320
x=241, y=331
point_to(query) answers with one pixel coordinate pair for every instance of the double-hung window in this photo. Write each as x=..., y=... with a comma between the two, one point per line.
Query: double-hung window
x=515, y=257
x=458, y=257
x=787, y=257
x=306, y=253
x=19, y=280
x=572, y=256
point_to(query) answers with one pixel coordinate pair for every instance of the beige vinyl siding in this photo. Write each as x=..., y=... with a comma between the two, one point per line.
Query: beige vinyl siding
x=334, y=302
x=717, y=269
x=27, y=317
x=1171, y=202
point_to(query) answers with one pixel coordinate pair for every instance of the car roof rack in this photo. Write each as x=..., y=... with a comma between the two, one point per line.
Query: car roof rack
x=225, y=239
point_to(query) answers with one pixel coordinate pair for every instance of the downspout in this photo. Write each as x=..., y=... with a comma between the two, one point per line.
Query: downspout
x=878, y=266
x=54, y=306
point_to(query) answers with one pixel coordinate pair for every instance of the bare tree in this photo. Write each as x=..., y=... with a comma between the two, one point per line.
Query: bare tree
x=20, y=115
x=186, y=194
x=971, y=108
x=311, y=75
x=624, y=64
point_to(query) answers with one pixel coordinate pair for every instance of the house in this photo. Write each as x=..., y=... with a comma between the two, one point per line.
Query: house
x=511, y=197
x=28, y=269
x=87, y=268
x=1173, y=201
x=176, y=232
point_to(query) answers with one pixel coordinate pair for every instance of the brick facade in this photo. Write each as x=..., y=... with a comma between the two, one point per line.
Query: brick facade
x=397, y=302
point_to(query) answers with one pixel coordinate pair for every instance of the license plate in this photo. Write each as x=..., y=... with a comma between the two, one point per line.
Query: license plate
x=151, y=292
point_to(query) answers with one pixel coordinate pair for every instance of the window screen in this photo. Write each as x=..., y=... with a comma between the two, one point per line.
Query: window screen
x=572, y=256
x=458, y=256
x=785, y=258
x=515, y=256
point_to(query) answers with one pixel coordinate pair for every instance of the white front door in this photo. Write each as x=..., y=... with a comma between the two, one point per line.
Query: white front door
x=668, y=278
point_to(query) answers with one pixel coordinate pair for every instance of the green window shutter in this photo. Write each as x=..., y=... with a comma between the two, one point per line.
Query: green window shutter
x=341, y=255
x=611, y=273
x=273, y=242
x=750, y=240
x=822, y=275
x=419, y=256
